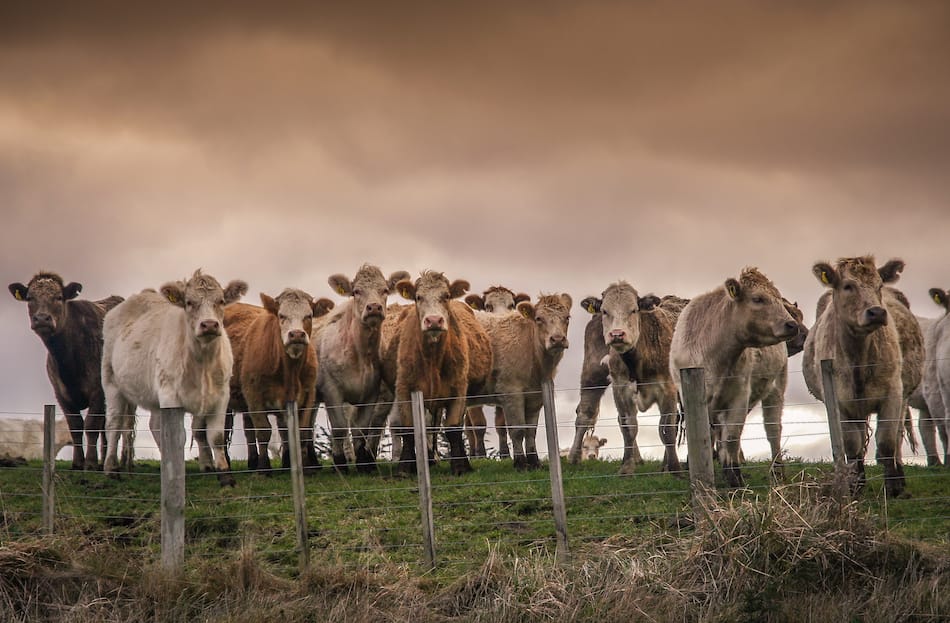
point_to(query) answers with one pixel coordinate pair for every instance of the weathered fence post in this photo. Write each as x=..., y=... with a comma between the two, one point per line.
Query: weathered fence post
x=49, y=467
x=830, y=395
x=699, y=446
x=425, y=486
x=554, y=464
x=173, y=488
x=296, y=483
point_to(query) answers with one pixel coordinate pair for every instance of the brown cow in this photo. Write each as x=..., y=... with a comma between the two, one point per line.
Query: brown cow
x=634, y=335
x=877, y=348
x=527, y=346
x=442, y=351
x=720, y=332
x=71, y=330
x=274, y=363
x=348, y=348
x=494, y=300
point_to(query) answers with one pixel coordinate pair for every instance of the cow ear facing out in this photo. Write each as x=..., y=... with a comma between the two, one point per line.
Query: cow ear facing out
x=406, y=289
x=396, y=277
x=891, y=271
x=591, y=304
x=18, y=290
x=648, y=302
x=269, y=304
x=940, y=297
x=566, y=301
x=321, y=307
x=733, y=289
x=475, y=301
x=526, y=309
x=340, y=284
x=71, y=290
x=521, y=296
x=174, y=292
x=235, y=290
x=458, y=287
x=827, y=275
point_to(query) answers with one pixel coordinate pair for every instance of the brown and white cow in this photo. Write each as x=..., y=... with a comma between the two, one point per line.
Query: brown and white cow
x=71, y=331
x=527, y=346
x=632, y=335
x=877, y=348
x=348, y=348
x=590, y=450
x=274, y=363
x=721, y=331
x=442, y=351
x=170, y=349
x=495, y=300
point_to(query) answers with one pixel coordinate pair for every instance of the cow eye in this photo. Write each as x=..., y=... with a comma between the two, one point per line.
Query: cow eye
x=489, y=308
x=282, y=317
x=357, y=291
x=758, y=300
x=848, y=287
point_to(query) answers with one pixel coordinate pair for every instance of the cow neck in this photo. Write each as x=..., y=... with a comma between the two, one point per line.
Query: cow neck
x=364, y=339
x=631, y=359
x=292, y=373
x=853, y=350
x=726, y=350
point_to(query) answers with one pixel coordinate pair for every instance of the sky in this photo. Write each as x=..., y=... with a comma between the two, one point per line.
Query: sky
x=548, y=147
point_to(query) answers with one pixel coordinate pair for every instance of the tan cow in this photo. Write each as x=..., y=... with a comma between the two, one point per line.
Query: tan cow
x=927, y=399
x=877, y=348
x=720, y=332
x=495, y=300
x=442, y=351
x=274, y=363
x=590, y=450
x=348, y=347
x=170, y=349
x=527, y=346
x=634, y=334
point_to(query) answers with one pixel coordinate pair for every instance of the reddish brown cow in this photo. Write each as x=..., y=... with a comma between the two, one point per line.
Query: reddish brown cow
x=274, y=363
x=71, y=330
x=442, y=351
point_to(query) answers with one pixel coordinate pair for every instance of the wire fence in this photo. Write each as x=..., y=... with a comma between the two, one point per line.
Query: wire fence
x=369, y=520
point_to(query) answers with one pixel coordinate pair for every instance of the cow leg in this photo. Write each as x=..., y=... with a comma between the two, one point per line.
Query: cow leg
x=513, y=404
x=627, y=418
x=888, y=437
x=250, y=437
x=453, y=432
x=213, y=426
x=339, y=427
x=854, y=436
x=77, y=431
x=407, y=455
x=594, y=380
x=501, y=429
x=120, y=418
x=307, y=416
x=95, y=426
x=531, y=415
x=475, y=426
x=669, y=427
x=365, y=458
x=772, y=406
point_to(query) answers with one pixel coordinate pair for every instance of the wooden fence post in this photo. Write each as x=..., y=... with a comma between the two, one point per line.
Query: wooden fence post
x=49, y=467
x=425, y=486
x=296, y=482
x=173, y=488
x=554, y=465
x=699, y=446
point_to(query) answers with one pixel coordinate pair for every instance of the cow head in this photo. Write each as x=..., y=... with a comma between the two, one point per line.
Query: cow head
x=760, y=316
x=369, y=290
x=797, y=343
x=203, y=300
x=496, y=300
x=590, y=450
x=46, y=297
x=295, y=311
x=620, y=307
x=432, y=293
x=856, y=290
x=551, y=314
x=941, y=298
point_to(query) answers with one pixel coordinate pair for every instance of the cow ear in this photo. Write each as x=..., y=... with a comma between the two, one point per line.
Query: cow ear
x=591, y=304
x=235, y=290
x=648, y=302
x=72, y=290
x=526, y=309
x=566, y=301
x=827, y=275
x=733, y=289
x=521, y=296
x=341, y=284
x=891, y=271
x=19, y=291
x=458, y=287
x=406, y=289
x=396, y=277
x=475, y=301
x=321, y=307
x=269, y=304
x=939, y=297
x=174, y=292
x=603, y=440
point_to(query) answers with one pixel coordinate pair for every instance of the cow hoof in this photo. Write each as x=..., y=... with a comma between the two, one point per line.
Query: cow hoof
x=533, y=461
x=461, y=466
x=225, y=479
x=520, y=463
x=627, y=468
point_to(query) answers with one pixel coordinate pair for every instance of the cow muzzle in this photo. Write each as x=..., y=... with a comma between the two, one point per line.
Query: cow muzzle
x=873, y=318
x=42, y=324
x=209, y=329
x=557, y=343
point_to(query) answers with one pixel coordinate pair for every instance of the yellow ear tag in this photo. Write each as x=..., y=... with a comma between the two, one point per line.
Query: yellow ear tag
x=936, y=299
x=590, y=308
x=526, y=314
x=171, y=298
x=404, y=293
x=824, y=278
x=19, y=296
x=340, y=290
x=732, y=291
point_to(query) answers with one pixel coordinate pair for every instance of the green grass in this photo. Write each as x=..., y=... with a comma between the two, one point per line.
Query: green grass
x=369, y=522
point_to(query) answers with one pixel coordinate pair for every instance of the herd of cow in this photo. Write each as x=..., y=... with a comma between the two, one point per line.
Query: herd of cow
x=191, y=344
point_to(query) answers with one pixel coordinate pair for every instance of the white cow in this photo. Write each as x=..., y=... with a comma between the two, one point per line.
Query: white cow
x=590, y=447
x=23, y=438
x=170, y=349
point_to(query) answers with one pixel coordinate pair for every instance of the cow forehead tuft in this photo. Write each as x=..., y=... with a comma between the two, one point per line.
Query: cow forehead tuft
x=752, y=278
x=293, y=296
x=431, y=279
x=861, y=268
x=46, y=282
x=202, y=283
x=369, y=275
x=551, y=303
x=620, y=290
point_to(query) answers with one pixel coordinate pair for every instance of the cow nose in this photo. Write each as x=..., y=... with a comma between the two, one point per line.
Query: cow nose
x=617, y=335
x=209, y=326
x=42, y=318
x=297, y=335
x=876, y=315
x=434, y=322
x=374, y=309
x=558, y=340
